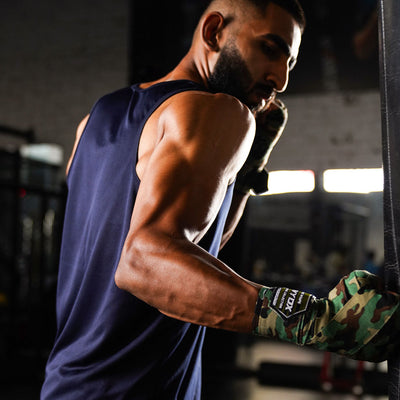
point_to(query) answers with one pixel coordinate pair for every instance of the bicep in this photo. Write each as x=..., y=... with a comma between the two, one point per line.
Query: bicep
x=187, y=175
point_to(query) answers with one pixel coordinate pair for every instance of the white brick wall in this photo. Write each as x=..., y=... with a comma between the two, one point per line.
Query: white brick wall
x=332, y=130
x=56, y=59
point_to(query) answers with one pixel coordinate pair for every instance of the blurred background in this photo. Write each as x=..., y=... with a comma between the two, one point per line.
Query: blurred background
x=322, y=218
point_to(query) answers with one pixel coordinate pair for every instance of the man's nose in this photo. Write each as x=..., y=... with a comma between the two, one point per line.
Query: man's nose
x=278, y=76
x=282, y=77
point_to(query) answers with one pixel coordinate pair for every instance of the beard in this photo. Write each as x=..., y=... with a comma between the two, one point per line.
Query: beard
x=230, y=74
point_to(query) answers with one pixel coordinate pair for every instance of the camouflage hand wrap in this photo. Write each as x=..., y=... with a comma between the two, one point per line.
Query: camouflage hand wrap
x=355, y=320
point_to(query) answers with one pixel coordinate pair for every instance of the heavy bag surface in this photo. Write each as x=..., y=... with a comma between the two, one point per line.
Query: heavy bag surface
x=389, y=32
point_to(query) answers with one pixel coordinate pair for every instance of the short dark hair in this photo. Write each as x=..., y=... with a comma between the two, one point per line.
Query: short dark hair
x=293, y=7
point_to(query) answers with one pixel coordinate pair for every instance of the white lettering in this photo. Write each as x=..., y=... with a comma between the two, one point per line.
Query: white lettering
x=291, y=300
x=283, y=299
x=276, y=297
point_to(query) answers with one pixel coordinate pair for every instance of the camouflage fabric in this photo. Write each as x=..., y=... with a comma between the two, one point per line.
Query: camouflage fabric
x=359, y=319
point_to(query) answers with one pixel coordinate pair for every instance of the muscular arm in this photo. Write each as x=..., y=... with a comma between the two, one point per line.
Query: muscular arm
x=198, y=153
x=205, y=140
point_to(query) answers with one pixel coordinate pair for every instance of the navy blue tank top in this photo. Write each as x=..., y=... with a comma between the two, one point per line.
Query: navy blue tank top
x=110, y=344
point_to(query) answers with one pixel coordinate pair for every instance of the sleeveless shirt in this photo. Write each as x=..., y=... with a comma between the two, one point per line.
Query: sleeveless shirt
x=109, y=344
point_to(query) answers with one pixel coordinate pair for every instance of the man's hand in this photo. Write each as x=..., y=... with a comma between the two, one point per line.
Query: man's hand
x=359, y=319
x=270, y=124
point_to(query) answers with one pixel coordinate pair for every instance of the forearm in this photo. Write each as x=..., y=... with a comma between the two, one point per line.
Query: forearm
x=359, y=319
x=185, y=282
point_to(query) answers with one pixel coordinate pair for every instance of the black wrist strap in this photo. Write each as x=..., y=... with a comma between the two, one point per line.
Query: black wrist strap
x=253, y=181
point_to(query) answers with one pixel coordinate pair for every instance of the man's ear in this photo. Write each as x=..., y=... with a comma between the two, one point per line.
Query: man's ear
x=212, y=27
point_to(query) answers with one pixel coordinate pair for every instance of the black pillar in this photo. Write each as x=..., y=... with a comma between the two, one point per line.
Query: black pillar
x=389, y=32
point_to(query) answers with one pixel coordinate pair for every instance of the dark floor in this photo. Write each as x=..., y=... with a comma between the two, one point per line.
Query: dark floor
x=271, y=371
x=262, y=370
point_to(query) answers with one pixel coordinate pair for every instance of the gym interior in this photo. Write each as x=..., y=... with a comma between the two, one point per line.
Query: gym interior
x=57, y=58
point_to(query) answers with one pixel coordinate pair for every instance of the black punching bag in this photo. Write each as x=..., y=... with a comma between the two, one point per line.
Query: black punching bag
x=389, y=38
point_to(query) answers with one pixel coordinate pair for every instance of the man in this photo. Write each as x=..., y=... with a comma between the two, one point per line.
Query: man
x=151, y=179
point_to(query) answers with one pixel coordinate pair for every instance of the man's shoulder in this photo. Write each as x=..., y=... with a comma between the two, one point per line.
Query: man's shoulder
x=214, y=101
x=213, y=108
x=205, y=123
